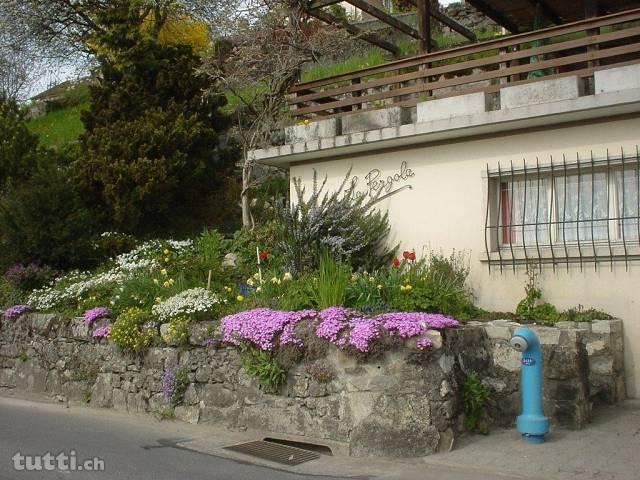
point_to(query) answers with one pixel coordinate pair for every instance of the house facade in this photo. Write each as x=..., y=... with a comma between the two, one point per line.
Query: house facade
x=515, y=166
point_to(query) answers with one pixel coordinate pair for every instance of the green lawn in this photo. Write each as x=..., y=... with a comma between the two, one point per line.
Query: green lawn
x=59, y=127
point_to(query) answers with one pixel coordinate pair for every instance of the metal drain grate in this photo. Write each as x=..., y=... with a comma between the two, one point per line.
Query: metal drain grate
x=275, y=452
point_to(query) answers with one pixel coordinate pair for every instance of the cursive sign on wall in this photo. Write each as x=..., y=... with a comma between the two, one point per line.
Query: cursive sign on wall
x=380, y=186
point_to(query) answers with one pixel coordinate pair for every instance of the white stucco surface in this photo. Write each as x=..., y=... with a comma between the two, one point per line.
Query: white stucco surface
x=445, y=210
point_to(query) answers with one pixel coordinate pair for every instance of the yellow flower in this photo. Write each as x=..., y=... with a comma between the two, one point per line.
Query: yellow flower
x=259, y=289
x=240, y=298
x=402, y=288
x=158, y=300
x=250, y=282
x=166, y=252
x=379, y=287
x=408, y=288
x=275, y=280
x=171, y=282
x=166, y=284
x=166, y=259
x=287, y=277
x=306, y=121
x=164, y=272
x=156, y=281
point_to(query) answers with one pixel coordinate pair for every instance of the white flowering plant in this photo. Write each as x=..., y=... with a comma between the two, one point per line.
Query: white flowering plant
x=195, y=302
x=126, y=281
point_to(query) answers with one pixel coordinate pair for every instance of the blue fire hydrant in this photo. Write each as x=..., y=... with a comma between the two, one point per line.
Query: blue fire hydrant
x=531, y=423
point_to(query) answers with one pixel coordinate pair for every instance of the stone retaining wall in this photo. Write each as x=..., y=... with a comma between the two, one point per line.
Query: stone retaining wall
x=403, y=403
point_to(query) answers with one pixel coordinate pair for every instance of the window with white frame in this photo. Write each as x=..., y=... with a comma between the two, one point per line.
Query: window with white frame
x=555, y=212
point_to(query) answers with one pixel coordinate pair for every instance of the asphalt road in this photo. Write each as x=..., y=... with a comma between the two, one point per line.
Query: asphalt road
x=140, y=447
x=130, y=448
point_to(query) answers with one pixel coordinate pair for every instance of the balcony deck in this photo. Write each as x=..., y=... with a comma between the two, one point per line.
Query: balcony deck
x=576, y=49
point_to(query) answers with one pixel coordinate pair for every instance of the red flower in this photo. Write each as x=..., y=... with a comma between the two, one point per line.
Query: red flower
x=264, y=255
x=396, y=262
x=409, y=255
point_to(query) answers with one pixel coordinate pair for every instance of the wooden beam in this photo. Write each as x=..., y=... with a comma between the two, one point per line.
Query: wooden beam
x=450, y=22
x=424, y=24
x=313, y=4
x=546, y=11
x=374, y=11
x=353, y=30
x=590, y=8
x=494, y=15
x=453, y=25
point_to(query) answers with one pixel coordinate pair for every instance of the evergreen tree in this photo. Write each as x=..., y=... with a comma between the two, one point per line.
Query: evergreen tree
x=152, y=156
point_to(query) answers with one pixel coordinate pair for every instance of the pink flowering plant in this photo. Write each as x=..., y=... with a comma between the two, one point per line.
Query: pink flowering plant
x=101, y=332
x=16, y=310
x=345, y=328
x=92, y=315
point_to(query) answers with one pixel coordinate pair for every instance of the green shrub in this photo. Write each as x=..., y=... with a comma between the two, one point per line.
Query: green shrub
x=9, y=295
x=365, y=293
x=261, y=365
x=44, y=220
x=580, y=314
x=178, y=331
x=298, y=294
x=531, y=308
x=343, y=222
x=435, y=284
x=474, y=399
x=130, y=333
x=333, y=280
x=19, y=152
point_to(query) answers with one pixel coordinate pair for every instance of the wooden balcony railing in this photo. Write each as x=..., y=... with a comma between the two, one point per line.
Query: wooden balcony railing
x=578, y=48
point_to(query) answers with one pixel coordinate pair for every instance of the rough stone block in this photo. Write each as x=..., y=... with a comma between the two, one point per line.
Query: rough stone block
x=458, y=106
x=601, y=365
x=506, y=357
x=189, y=414
x=547, y=335
x=606, y=326
x=44, y=323
x=203, y=333
x=544, y=91
x=313, y=131
x=375, y=119
x=617, y=79
x=79, y=329
x=498, y=332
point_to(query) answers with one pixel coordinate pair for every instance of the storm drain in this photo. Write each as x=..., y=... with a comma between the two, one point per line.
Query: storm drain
x=275, y=452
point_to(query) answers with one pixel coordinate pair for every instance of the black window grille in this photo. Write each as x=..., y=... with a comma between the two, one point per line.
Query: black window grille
x=583, y=210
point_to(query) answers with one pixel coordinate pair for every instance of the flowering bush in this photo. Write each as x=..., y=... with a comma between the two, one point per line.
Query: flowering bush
x=101, y=332
x=263, y=327
x=16, y=311
x=90, y=316
x=28, y=277
x=76, y=289
x=130, y=331
x=174, y=385
x=269, y=329
x=177, y=331
x=189, y=302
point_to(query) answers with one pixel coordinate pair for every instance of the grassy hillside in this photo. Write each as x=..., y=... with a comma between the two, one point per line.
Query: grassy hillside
x=62, y=124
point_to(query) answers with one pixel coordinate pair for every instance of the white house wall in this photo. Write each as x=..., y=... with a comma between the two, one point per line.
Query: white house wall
x=445, y=210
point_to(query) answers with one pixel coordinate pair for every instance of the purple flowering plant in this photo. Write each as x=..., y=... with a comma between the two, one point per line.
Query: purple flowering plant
x=97, y=313
x=343, y=327
x=16, y=310
x=101, y=332
x=174, y=385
